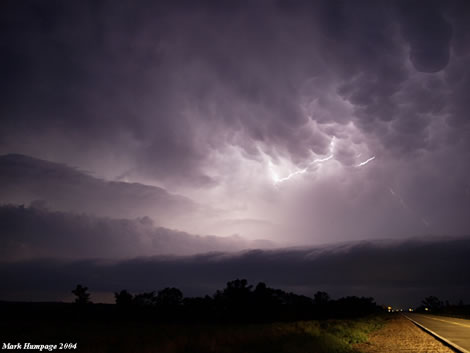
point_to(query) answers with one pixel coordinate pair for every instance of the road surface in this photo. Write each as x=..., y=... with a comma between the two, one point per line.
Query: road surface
x=455, y=331
x=400, y=335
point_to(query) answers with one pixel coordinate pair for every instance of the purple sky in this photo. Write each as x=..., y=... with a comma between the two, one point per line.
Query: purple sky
x=274, y=123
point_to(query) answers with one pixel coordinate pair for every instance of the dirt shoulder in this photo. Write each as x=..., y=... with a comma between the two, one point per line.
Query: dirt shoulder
x=400, y=335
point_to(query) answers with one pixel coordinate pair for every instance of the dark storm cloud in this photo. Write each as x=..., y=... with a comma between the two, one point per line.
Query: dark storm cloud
x=163, y=85
x=428, y=34
x=24, y=179
x=30, y=233
x=390, y=271
x=58, y=187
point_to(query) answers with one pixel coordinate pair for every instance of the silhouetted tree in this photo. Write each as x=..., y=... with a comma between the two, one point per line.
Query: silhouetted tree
x=169, y=297
x=266, y=303
x=236, y=292
x=353, y=307
x=265, y=296
x=238, y=287
x=145, y=299
x=432, y=302
x=199, y=309
x=123, y=298
x=235, y=301
x=261, y=288
x=82, y=295
x=321, y=298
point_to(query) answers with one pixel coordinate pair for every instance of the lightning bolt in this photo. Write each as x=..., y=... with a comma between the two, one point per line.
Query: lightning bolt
x=408, y=209
x=365, y=162
x=278, y=180
x=402, y=203
x=320, y=160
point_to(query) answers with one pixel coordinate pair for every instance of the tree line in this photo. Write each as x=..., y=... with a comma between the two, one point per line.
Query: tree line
x=237, y=302
x=434, y=305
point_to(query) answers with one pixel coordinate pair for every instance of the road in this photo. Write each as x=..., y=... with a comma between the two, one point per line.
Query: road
x=456, y=331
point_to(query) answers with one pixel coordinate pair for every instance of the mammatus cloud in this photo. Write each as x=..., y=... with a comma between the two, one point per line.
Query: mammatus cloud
x=428, y=34
x=397, y=273
x=160, y=100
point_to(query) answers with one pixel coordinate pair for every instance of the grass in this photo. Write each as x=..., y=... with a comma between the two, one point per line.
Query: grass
x=295, y=337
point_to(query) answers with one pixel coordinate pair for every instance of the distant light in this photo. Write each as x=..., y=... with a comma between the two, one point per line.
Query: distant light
x=426, y=309
x=410, y=310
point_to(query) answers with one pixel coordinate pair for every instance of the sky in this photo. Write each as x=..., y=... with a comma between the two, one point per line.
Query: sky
x=136, y=129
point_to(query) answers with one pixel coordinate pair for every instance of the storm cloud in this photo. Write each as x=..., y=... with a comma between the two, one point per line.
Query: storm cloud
x=31, y=233
x=159, y=88
x=298, y=122
x=24, y=179
x=210, y=99
x=398, y=273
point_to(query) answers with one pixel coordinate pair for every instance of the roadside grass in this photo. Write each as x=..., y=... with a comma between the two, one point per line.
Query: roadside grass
x=336, y=336
x=353, y=331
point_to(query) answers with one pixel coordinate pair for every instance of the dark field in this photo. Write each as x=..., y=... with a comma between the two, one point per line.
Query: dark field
x=107, y=333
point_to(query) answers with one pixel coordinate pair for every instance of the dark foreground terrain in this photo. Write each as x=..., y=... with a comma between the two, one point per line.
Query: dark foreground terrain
x=35, y=324
x=114, y=334
x=238, y=318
